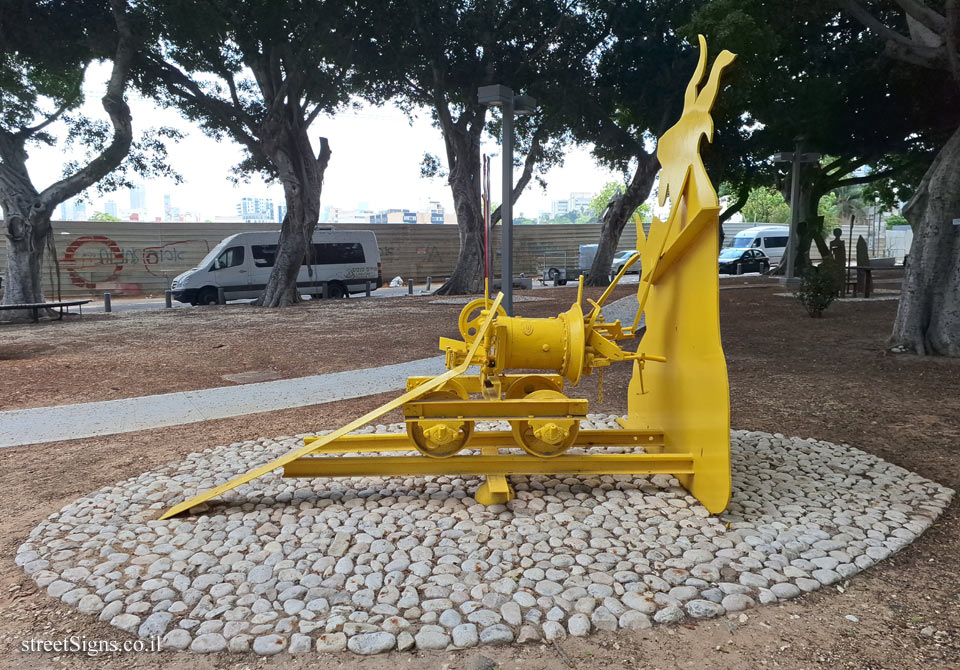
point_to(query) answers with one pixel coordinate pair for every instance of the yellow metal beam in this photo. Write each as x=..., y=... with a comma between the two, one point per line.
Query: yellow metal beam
x=503, y=464
x=496, y=409
x=374, y=442
x=471, y=383
x=496, y=490
x=349, y=428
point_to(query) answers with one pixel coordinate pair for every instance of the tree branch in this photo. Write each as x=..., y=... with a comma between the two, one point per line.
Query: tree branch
x=25, y=133
x=235, y=97
x=897, y=46
x=859, y=12
x=924, y=15
x=866, y=179
x=118, y=111
x=742, y=196
x=533, y=157
x=950, y=34
x=182, y=86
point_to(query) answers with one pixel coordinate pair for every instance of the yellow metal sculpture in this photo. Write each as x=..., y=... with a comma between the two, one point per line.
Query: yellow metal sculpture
x=678, y=413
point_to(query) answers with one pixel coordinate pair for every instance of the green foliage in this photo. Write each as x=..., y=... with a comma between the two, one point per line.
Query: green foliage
x=807, y=69
x=103, y=216
x=44, y=52
x=896, y=220
x=818, y=287
x=244, y=70
x=765, y=205
x=827, y=208
x=431, y=167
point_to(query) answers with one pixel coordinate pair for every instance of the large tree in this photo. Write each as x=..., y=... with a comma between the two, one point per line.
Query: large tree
x=633, y=95
x=928, y=36
x=45, y=48
x=805, y=71
x=437, y=54
x=260, y=72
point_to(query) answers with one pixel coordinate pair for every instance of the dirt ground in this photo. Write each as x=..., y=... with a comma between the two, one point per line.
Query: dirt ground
x=829, y=378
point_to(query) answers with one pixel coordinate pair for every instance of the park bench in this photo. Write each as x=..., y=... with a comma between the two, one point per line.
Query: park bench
x=35, y=307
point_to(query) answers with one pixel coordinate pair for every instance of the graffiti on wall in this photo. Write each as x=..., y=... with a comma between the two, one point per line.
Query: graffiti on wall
x=97, y=261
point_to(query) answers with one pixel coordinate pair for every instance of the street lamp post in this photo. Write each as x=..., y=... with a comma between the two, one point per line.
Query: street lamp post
x=501, y=96
x=795, y=157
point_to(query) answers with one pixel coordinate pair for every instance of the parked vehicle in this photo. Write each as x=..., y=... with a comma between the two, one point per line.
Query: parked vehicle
x=340, y=262
x=735, y=261
x=772, y=240
x=561, y=267
x=621, y=258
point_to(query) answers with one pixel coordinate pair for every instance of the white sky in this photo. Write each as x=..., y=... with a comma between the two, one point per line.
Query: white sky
x=376, y=162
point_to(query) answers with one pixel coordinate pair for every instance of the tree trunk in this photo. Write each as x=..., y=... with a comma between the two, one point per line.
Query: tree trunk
x=616, y=215
x=928, y=316
x=26, y=224
x=26, y=231
x=462, y=142
x=27, y=212
x=302, y=177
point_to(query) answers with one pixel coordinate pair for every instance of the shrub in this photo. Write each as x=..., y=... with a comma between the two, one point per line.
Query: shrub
x=819, y=287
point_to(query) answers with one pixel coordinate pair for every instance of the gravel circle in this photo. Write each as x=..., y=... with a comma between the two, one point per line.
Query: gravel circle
x=378, y=564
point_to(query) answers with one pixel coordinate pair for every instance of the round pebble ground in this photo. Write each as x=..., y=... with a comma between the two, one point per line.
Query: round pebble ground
x=372, y=565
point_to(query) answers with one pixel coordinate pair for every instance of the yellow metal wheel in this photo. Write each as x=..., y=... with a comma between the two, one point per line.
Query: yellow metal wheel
x=528, y=384
x=549, y=436
x=471, y=318
x=441, y=438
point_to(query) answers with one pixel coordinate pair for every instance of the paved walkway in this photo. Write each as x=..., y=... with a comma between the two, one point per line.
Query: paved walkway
x=52, y=424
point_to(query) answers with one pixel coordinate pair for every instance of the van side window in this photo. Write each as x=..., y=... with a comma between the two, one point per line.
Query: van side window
x=756, y=243
x=333, y=253
x=229, y=258
x=774, y=242
x=264, y=255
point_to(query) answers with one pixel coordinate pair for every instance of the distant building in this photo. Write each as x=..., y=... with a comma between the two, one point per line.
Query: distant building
x=579, y=201
x=337, y=215
x=170, y=213
x=256, y=210
x=110, y=207
x=138, y=197
x=281, y=212
x=394, y=216
x=436, y=213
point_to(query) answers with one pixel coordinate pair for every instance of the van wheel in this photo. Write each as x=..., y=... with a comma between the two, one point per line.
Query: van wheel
x=208, y=296
x=336, y=291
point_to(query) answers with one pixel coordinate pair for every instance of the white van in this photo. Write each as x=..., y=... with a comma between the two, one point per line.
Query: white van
x=342, y=260
x=772, y=240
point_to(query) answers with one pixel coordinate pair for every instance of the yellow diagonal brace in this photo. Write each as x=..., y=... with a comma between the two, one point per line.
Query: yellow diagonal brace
x=350, y=427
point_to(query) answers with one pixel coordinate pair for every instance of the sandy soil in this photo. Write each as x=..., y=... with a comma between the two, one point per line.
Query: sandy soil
x=828, y=378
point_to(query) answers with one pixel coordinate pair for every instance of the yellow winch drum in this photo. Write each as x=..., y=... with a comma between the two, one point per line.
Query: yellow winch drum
x=555, y=343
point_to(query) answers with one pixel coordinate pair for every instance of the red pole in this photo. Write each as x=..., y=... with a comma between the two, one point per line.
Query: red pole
x=486, y=217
